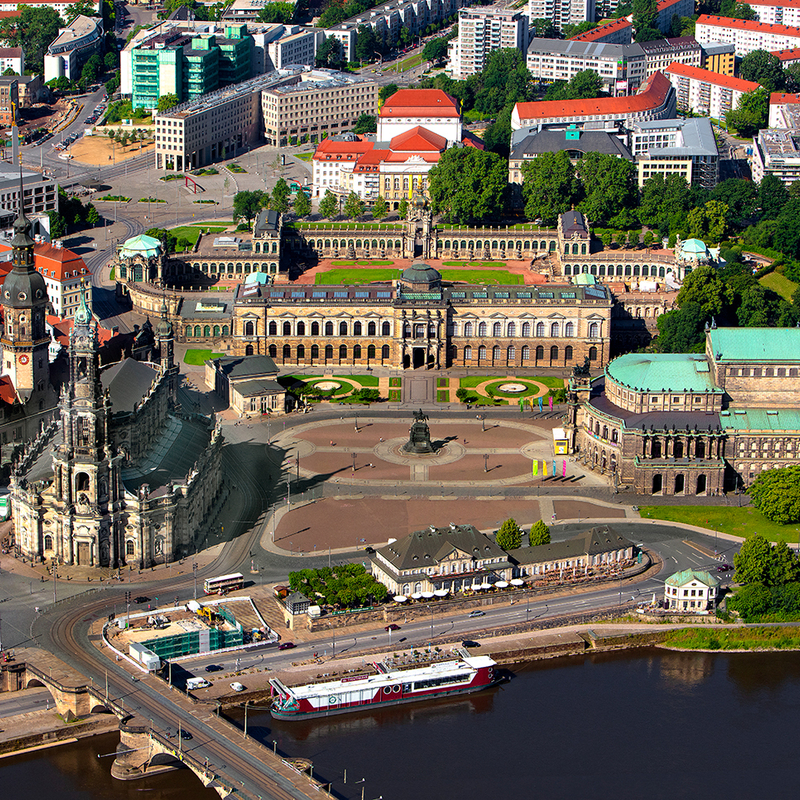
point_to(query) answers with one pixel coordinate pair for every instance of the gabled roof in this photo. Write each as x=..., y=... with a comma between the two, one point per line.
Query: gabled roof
x=420, y=103
x=652, y=95
x=246, y=367
x=791, y=54
x=8, y=394
x=783, y=98
x=596, y=541
x=716, y=78
x=329, y=149
x=760, y=345
x=417, y=139
x=748, y=25
x=689, y=575
x=55, y=262
x=127, y=383
x=602, y=31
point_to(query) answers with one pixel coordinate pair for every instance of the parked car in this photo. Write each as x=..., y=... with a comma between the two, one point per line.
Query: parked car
x=392, y=627
x=213, y=668
x=142, y=598
x=286, y=646
x=477, y=613
x=724, y=568
x=469, y=643
x=237, y=687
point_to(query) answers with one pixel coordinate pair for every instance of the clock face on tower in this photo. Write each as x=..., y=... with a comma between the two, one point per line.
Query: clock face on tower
x=23, y=359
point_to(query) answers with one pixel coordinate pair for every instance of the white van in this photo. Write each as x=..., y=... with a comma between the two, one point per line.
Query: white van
x=196, y=683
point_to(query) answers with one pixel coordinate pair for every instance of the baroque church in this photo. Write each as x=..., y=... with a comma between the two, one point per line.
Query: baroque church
x=121, y=476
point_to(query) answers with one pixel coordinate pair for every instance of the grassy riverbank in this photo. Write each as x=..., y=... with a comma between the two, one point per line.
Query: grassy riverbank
x=735, y=639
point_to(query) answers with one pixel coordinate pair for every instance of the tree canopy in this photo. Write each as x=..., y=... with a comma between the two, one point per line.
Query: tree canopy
x=609, y=185
x=345, y=585
x=763, y=67
x=247, y=204
x=776, y=494
x=752, y=113
x=549, y=186
x=166, y=102
x=302, y=204
x=366, y=123
x=277, y=12
x=33, y=30
x=509, y=537
x=329, y=205
x=330, y=54
x=539, y=534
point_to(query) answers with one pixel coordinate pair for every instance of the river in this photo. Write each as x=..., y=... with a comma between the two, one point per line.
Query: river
x=631, y=724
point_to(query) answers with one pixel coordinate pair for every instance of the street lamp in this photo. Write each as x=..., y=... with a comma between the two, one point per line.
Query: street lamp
x=485, y=462
x=194, y=574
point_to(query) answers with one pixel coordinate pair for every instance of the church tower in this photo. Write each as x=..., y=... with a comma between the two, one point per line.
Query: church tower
x=87, y=482
x=166, y=352
x=24, y=339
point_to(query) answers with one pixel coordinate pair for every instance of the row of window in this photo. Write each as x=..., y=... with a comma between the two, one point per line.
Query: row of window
x=205, y=331
x=645, y=270
x=314, y=351
x=510, y=354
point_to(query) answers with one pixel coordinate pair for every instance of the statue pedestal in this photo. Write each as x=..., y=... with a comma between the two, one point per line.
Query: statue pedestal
x=419, y=438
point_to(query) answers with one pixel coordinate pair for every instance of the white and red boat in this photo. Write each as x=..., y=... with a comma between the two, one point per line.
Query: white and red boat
x=388, y=687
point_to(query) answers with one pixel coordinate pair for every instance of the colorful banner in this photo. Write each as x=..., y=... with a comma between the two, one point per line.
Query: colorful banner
x=540, y=405
x=554, y=468
x=544, y=468
x=564, y=470
x=551, y=402
x=535, y=466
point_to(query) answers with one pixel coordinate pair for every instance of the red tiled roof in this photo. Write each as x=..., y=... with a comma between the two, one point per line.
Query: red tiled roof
x=420, y=103
x=371, y=160
x=418, y=139
x=9, y=14
x=331, y=150
x=601, y=31
x=54, y=262
x=8, y=394
x=748, y=25
x=783, y=98
x=651, y=95
x=662, y=4
x=707, y=76
x=62, y=326
x=471, y=140
x=779, y=3
x=10, y=52
x=400, y=158
x=792, y=54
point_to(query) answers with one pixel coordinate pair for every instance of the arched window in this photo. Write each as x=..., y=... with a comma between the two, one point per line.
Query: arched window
x=287, y=328
x=497, y=329
x=357, y=352
x=481, y=353
x=386, y=329
x=301, y=329
x=342, y=329
x=249, y=328
x=329, y=329
x=48, y=542
x=540, y=330
x=568, y=353
x=569, y=329
x=301, y=351
x=526, y=353
x=216, y=330
x=467, y=329
x=315, y=328
x=592, y=354
x=526, y=330
x=206, y=331
x=197, y=330
x=314, y=351
x=249, y=351
x=371, y=329
x=594, y=330
x=328, y=352
x=187, y=332
x=342, y=351
x=539, y=353
x=553, y=353
x=130, y=547
x=385, y=352
x=554, y=330
x=511, y=355
x=496, y=353
x=371, y=351
x=273, y=351
x=482, y=329
x=467, y=353
x=356, y=329
x=287, y=352
x=273, y=328
x=512, y=330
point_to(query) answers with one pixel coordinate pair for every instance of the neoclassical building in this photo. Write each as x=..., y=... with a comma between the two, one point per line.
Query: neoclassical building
x=122, y=478
x=692, y=423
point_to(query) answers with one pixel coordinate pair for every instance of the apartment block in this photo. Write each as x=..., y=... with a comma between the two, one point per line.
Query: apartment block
x=562, y=12
x=684, y=147
x=783, y=12
x=660, y=53
x=718, y=57
x=619, y=31
x=708, y=93
x=667, y=9
x=746, y=35
x=783, y=110
x=481, y=31
x=623, y=68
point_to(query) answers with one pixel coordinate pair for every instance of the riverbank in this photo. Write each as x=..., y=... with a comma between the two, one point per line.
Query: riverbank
x=735, y=639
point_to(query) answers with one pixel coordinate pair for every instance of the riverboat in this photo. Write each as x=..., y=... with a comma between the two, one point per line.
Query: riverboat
x=389, y=686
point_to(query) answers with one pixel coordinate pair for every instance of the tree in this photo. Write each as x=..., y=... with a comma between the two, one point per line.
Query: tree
x=509, y=537
x=379, y=208
x=498, y=135
x=752, y=113
x=784, y=566
x=112, y=134
x=91, y=69
x=776, y=494
x=279, y=203
x=166, y=102
x=330, y=54
x=772, y=196
x=402, y=208
x=281, y=190
x=366, y=43
x=664, y=201
x=60, y=84
x=469, y=185
x=736, y=10
x=648, y=238
x=609, y=184
x=302, y=204
x=504, y=80
x=543, y=29
x=247, y=204
x=681, y=330
x=385, y=92
x=9, y=71
x=705, y=287
x=708, y=221
x=353, y=206
x=82, y=7
x=436, y=49
x=366, y=123
x=549, y=186
x=762, y=67
x=111, y=60
x=33, y=30
x=753, y=561
x=58, y=226
x=539, y=534
x=585, y=85
x=277, y=13
x=91, y=215
x=123, y=139
x=329, y=205
x=741, y=198
x=568, y=31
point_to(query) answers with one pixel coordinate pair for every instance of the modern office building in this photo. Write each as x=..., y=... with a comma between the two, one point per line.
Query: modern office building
x=180, y=61
x=655, y=100
x=776, y=151
x=73, y=46
x=41, y=194
x=622, y=67
x=280, y=46
x=746, y=35
x=481, y=31
x=562, y=12
x=684, y=147
x=708, y=93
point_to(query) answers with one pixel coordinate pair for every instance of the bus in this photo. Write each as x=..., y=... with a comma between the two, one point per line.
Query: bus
x=224, y=583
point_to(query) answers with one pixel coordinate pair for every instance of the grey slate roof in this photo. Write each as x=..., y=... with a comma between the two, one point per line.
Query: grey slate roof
x=127, y=383
x=266, y=222
x=427, y=548
x=597, y=540
x=553, y=141
x=258, y=387
x=241, y=367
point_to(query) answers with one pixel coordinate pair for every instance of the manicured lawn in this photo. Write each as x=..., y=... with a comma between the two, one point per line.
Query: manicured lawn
x=304, y=156
x=442, y=383
x=394, y=395
x=407, y=63
x=475, y=399
x=376, y=263
x=493, y=389
x=486, y=264
x=442, y=396
x=369, y=381
x=493, y=276
x=352, y=276
x=725, y=519
x=345, y=388
x=395, y=382
x=198, y=357
x=779, y=284
x=550, y=383
x=471, y=381
x=112, y=274
x=192, y=232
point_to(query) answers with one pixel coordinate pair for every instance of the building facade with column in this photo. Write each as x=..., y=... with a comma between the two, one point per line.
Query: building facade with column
x=692, y=424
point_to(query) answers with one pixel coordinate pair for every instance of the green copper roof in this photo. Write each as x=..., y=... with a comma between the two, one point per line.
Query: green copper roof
x=584, y=279
x=761, y=419
x=662, y=372
x=140, y=245
x=681, y=578
x=694, y=246
x=769, y=345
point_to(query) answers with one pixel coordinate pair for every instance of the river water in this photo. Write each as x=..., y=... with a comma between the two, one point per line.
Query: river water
x=632, y=724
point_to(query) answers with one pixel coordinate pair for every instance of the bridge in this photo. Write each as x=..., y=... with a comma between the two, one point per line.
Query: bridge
x=251, y=771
